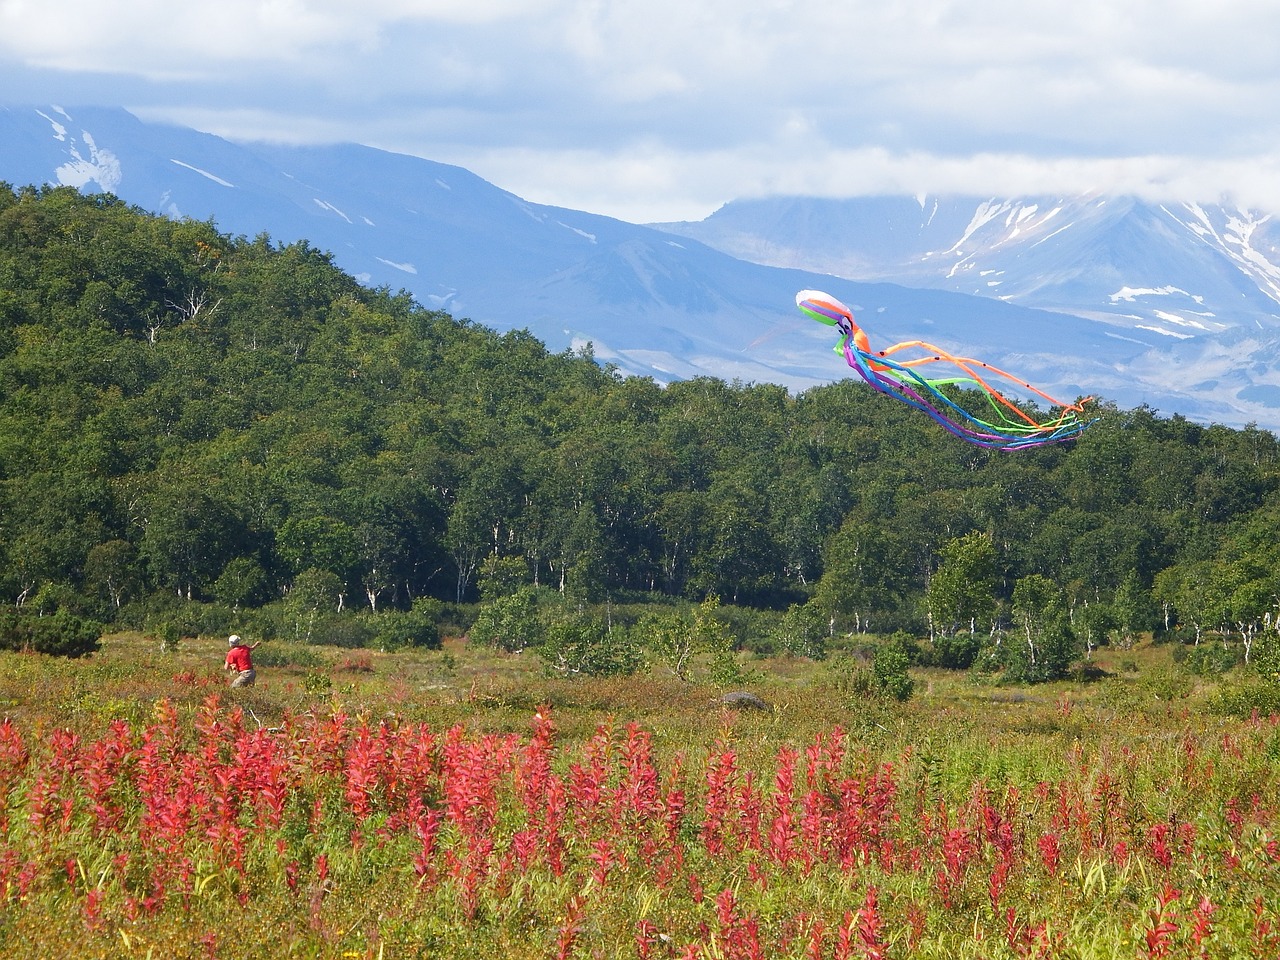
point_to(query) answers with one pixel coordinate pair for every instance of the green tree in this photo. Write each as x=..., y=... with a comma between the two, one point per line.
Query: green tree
x=111, y=570
x=513, y=622
x=802, y=632
x=315, y=595
x=1041, y=645
x=242, y=582
x=889, y=668
x=582, y=645
x=961, y=597
x=419, y=626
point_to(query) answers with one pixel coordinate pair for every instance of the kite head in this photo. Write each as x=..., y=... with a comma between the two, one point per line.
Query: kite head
x=827, y=309
x=823, y=307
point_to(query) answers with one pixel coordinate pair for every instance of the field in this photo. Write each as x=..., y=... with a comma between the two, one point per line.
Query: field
x=457, y=803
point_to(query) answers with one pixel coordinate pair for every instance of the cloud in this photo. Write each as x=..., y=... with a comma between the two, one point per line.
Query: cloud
x=670, y=106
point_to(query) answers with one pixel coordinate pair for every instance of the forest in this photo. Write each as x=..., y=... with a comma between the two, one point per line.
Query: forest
x=201, y=432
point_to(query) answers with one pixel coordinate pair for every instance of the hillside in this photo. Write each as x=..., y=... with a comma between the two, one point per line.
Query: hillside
x=190, y=420
x=672, y=308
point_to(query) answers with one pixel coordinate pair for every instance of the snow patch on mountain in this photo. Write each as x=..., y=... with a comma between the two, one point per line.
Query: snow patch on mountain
x=581, y=233
x=326, y=205
x=101, y=167
x=406, y=267
x=1129, y=293
x=59, y=131
x=204, y=173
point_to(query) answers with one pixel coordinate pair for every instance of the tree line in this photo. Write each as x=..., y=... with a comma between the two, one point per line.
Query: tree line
x=192, y=418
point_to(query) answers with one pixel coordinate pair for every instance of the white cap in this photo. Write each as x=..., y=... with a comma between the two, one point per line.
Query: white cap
x=233, y=639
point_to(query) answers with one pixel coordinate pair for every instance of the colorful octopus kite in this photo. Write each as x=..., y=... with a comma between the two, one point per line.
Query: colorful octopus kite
x=1010, y=428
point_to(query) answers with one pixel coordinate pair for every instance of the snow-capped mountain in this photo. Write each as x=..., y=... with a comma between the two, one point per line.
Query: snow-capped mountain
x=673, y=307
x=1113, y=259
x=1204, y=279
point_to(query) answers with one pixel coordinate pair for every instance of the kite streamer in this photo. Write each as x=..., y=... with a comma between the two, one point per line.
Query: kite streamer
x=1010, y=427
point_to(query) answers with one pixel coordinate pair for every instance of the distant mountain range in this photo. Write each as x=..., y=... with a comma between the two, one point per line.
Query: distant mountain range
x=1173, y=306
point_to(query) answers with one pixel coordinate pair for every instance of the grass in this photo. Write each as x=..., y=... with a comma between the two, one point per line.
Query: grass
x=1118, y=817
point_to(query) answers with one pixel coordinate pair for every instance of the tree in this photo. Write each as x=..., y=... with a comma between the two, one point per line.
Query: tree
x=242, y=582
x=863, y=574
x=581, y=645
x=314, y=594
x=1133, y=608
x=190, y=536
x=419, y=626
x=111, y=570
x=678, y=639
x=1041, y=646
x=1094, y=622
x=512, y=622
x=801, y=632
x=889, y=668
x=961, y=593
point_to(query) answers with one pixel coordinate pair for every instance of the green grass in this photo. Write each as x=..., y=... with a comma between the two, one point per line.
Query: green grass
x=1140, y=791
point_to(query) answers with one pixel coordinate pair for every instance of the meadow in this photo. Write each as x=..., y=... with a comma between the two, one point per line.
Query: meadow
x=458, y=803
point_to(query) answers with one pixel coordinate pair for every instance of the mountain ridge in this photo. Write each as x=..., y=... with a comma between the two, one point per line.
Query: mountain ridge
x=651, y=299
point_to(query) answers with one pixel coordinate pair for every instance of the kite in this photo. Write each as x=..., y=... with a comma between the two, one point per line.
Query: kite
x=1010, y=427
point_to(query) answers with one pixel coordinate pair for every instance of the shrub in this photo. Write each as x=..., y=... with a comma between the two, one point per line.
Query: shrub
x=955, y=652
x=512, y=622
x=801, y=632
x=889, y=668
x=1265, y=659
x=1208, y=659
x=855, y=682
x=168, y=635
x=286, y=654
x=344, y=630
x=1247, y=699
x=60, y=633
x=581, y=645
x=416, y=627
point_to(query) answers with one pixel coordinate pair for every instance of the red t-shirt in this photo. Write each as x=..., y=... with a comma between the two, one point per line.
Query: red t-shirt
x=238, y=657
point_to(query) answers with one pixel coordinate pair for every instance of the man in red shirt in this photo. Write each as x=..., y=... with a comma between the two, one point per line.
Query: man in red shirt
x=238, y=659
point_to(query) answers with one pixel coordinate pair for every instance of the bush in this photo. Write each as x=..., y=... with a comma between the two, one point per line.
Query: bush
x=889, y=668
x=286, y=654
x=855, y=683
x=1209, y=659
x=168, y=635
x=60, y=633
x=345, y=630
x=884, y=678
x=1265, y=659
x=1245, y=700
x=512, y=623
x=416, y=627
x=801, y=632
x=581, y=645
x=955, y=652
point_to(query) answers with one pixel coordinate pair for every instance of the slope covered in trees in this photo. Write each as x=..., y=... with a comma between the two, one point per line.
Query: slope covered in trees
x=187, y=416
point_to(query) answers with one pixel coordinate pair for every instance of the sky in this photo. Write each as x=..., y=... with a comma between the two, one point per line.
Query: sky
x=661, y=110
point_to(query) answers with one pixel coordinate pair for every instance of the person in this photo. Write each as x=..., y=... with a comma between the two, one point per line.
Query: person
x=239, y=660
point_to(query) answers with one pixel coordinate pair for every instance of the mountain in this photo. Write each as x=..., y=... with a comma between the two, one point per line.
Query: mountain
x=648, y=300
x=1204, y=279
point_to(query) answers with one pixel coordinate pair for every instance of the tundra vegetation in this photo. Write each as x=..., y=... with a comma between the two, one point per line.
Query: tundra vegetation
x=1019, y=705
x=464, y=802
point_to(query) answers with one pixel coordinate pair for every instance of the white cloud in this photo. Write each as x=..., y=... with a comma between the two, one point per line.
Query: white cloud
x=675, y=107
